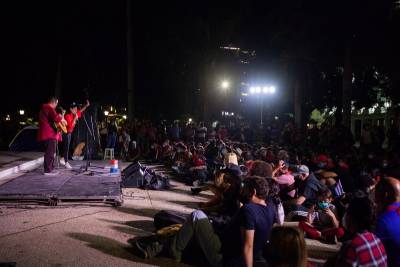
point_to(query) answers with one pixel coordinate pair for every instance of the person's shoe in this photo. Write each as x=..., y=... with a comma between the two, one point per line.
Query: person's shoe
x=148, y=251
x=195, y=190
x=67, y=165
x=62, y=161
x=53, y=173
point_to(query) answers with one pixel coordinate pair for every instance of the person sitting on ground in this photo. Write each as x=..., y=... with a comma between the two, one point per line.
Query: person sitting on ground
x=308, y=188
x=241, y=243
x=286, y=241
x=364, y=249
x=226, y=189
x=388, y=224
x=322, y=221
x=265, y=170
x=286, y=181
x=198, y=168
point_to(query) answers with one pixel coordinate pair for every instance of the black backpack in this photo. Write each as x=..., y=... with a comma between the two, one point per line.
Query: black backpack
x=166, y=218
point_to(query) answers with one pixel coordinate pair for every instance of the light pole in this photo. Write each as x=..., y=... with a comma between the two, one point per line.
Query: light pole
x=261, y=92
x=225, y=86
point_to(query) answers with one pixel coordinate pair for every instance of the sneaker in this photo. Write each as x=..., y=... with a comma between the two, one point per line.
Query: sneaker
x=148, y=251
x=67, y=165
x=62, y=161
x=53, y=173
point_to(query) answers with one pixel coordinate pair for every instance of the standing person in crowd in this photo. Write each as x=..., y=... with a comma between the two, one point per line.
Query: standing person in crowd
x=48, y=133
x=364, y=249
x=71, y=118
x=112, y=131
x=175, y=132
x=388, y=224
x=201, y=133
x=125, y=142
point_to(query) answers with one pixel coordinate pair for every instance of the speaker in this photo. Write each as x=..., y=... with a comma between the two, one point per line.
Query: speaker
x=131, y=168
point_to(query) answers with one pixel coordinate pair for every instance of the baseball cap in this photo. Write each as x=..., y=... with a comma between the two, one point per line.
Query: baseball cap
x=73, y=105
x=302, y=169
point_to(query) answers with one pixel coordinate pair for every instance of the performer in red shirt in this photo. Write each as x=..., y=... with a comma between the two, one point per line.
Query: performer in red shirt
x=71, y=117
x=48, y=133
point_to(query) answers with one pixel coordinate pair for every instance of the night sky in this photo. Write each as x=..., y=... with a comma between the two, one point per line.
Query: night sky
x=172, y=43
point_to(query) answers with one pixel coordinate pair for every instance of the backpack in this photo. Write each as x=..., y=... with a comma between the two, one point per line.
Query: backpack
x=166, y=218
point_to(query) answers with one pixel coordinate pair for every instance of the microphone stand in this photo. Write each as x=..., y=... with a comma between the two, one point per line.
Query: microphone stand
x=87, y=152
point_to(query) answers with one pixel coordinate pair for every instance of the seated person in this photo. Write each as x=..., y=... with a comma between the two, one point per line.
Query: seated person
x=286, y=182
x=265, y=170
x=286, y=241
x=322, y=221
x=332, y=181
x=387, y=228
x=198, y=168
x=226, y=189
x=364, y=248
x=242, y=241
x=308, y=188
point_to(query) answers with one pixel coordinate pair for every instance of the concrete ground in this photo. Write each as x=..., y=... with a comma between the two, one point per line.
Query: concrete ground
x=80, y=234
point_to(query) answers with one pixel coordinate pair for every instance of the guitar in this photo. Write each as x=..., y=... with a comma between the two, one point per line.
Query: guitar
x=62, y=125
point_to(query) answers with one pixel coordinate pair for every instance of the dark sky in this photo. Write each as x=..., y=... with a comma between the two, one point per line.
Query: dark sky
x=169, y=38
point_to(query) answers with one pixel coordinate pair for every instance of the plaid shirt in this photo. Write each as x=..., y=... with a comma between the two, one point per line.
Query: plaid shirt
x=365, y=250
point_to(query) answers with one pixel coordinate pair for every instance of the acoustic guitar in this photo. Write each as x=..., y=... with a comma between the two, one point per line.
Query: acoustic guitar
x=62, y=125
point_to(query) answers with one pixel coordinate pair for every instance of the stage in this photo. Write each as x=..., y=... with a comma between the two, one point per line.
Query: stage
x=96, y=184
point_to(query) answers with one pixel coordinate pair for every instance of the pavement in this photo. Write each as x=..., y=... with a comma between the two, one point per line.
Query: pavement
x=80, y=234
x=14, y=163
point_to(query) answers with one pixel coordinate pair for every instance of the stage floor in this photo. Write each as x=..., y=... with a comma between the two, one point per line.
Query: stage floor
x=76, y=184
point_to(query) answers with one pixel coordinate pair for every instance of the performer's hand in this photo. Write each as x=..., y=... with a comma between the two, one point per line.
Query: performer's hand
x=87, y=103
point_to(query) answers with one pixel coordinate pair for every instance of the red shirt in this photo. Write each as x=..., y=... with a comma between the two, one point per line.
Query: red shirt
x=48, y=115
x=70, y=120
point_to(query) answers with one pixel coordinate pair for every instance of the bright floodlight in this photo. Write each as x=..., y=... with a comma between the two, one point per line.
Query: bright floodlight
x=258, y=89
x=266, y=90
x=106, y=112
x=252, y=90
x=21, y=112
x=272, y=89
x=225, y=84
x=190, y=119
x=124, y=117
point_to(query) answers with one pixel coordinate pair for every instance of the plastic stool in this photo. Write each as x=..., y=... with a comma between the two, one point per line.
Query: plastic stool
x=109, y=153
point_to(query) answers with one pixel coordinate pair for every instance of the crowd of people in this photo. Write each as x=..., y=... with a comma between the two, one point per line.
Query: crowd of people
x=337, y=191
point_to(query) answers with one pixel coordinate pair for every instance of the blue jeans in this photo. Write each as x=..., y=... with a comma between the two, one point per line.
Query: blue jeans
x=111, y=140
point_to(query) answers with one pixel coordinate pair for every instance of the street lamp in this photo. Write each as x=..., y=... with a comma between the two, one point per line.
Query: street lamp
x=106, y=112
x=124, y=117
x=21, y=112
x=225, y=84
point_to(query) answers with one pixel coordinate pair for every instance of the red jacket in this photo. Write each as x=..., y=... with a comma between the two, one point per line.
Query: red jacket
x=70, y=120
x=48, y=115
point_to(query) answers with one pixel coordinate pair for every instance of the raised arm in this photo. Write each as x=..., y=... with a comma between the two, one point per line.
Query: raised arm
x=85, y=106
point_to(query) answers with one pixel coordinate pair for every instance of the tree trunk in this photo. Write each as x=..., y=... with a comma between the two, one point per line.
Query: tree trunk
x=347, y=88
x=58, y=89
x=130, y=66
x=297, y=104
